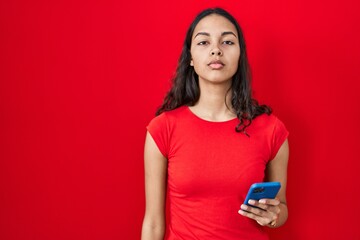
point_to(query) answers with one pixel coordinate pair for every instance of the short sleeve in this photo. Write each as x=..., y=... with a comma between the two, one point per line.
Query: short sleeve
x=159, y=131
x=280, y=134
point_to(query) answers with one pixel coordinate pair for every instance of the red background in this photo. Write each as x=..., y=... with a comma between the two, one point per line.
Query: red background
x=79, y=81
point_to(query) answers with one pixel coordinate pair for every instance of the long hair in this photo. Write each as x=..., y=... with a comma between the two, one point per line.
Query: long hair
x=185, y=84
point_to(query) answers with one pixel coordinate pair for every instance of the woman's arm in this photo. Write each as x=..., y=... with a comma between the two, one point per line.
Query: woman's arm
x=275, y=211
x=153, y=227
x=276, y=171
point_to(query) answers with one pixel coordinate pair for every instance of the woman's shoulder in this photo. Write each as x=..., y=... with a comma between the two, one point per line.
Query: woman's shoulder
x=267, y=120
x=171, y=115
x=268, y=125
x=175, y=113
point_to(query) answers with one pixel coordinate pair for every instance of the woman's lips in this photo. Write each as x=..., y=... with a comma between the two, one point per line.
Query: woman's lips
x=216, y=65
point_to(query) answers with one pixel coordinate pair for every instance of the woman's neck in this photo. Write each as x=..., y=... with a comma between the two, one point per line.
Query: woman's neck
x=211, y=104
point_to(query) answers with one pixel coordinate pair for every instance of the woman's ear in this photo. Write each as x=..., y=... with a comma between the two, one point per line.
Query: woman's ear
x=191, y=62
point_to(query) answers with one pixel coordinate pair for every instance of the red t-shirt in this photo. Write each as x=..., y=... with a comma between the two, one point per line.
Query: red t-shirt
x=210, y=169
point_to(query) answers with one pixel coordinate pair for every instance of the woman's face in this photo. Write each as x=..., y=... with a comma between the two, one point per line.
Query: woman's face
x=215, y=49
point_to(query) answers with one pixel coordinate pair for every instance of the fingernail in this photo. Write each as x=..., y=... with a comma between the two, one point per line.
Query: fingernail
x=262, y=201
x=244, y=207
x=241, y=212
x=251, y=202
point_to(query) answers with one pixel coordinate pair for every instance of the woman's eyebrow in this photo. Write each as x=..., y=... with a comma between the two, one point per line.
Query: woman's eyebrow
x=208, y=34
x=227, y=33
x=202, y=33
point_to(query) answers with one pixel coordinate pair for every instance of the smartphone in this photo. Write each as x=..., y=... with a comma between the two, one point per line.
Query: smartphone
x=262, y=190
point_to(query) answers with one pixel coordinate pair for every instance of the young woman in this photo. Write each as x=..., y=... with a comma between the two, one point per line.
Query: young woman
x=210, y=141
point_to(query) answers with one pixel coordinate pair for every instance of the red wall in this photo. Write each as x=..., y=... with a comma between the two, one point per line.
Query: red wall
x=79, y=81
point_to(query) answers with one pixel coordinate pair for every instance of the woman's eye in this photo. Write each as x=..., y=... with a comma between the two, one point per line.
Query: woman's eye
x=202, y=43
x=228, y=42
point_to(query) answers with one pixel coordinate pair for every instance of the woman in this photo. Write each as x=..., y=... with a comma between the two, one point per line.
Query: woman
x=210, y=141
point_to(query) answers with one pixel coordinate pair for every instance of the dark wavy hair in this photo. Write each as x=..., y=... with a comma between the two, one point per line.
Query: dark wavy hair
x=185, y=84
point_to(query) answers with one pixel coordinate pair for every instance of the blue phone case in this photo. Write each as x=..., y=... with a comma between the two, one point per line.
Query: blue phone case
x=262, y=190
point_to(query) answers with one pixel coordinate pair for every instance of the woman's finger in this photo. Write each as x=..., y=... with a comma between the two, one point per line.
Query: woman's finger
x=273, y=202
x=266, y=204
x=250, y=215
x=260, y=220
x=257, y=212
x=263, y=217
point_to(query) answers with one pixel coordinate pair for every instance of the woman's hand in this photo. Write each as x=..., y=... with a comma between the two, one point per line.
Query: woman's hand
x=272, y=212
x=265, y=212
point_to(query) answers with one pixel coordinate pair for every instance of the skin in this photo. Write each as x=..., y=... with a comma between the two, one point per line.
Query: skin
x=272, y=209
x=155, y=190
x=214, y=39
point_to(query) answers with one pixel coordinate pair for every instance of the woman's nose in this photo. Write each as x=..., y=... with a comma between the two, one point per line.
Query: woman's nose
x=216, y=51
